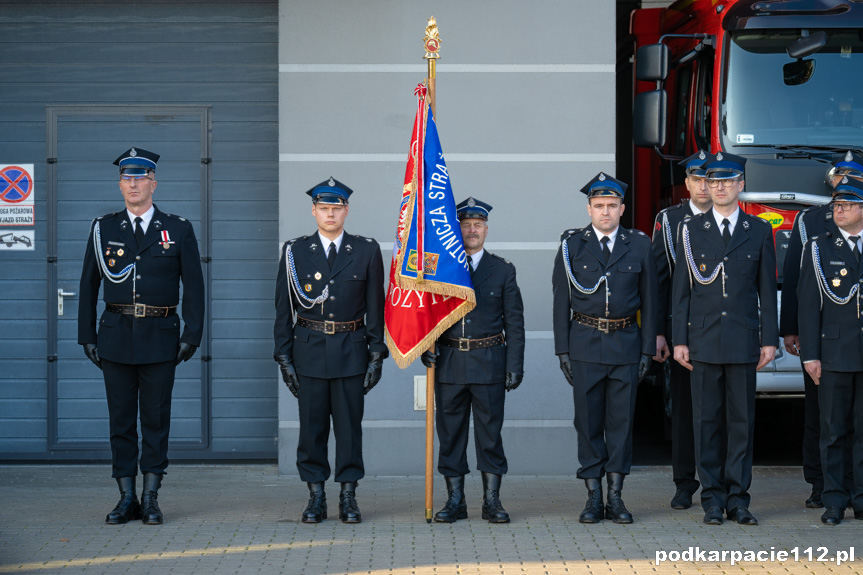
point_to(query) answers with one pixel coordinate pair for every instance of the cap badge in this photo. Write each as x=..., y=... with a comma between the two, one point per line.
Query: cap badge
x=317, y=276
x=836, y=282
x=843, y=272
x=719, y=157
x=332, y=182
x=702, y=155
x=849, y=156
x=133, y=152
x=601, y=177
x=471, y=202
x=845, y=179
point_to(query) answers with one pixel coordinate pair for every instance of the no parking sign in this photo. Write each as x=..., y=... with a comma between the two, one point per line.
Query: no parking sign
x=17, y=206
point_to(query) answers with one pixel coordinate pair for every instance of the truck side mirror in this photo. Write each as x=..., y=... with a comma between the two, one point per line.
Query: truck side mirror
x=649, y=115
x=651, y=63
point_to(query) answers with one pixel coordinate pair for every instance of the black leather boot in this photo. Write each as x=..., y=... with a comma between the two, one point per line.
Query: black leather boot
x=150, y=512
x=456, y=507
x=492, y=510
x=349, y=511
x=614, y=508
x=128, y=507
x=316, y=510
x=593, y=509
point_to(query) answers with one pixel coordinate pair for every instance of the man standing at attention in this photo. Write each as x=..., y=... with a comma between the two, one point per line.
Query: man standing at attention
x=666, y=241
x=329, y=344
x=603, y=276
x=726, y=266
x=478, y=359
x=831, y=347
x=139, y=255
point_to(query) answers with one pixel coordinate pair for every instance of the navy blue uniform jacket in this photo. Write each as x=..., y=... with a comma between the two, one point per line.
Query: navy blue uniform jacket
x=631, y=274
x=816, y=220
x=124, y=338
x=829, y=331
x=721, y=329
x=356, y=290
x=666, y=240
x=499, y=308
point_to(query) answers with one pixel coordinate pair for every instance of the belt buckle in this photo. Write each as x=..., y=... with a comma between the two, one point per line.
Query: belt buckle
x=603, y=325
x=143, y=310
x=330, y=328
x=463, y=344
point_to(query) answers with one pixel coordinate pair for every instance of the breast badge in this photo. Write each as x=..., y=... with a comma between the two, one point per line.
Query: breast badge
x=307, y=287
x=317, y=276
x=120, y=252
x=843, y=272
x=836, y=282
x=702, y=267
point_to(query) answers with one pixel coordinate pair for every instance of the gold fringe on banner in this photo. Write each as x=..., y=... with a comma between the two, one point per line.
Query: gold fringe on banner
x=404, y=360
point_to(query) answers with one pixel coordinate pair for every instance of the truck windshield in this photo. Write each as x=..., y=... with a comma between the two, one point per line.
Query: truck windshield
x=821, y=108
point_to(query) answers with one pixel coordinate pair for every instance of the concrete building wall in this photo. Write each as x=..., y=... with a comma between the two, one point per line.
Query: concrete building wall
x=526, y=115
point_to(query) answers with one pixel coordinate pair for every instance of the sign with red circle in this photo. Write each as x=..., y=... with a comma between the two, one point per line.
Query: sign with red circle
x=16, y=184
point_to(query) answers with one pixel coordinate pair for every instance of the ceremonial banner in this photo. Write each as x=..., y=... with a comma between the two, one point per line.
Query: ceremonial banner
x=429, y=287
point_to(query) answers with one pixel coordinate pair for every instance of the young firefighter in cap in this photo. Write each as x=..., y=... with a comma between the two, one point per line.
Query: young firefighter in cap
x=479, y=358
x=726, y=265
x=814, y=221
x=139, y=256
x=666, y=240
x=831, y=346
x=603, y=275
x=329, y=344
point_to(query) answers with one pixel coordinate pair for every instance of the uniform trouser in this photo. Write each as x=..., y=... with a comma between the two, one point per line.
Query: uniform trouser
x=454, y=404
x=811, y=434
x=841, y=402
x=682, y=434
x=604, y=398
x=128, y=386
x=723, y=395
x=343, y=399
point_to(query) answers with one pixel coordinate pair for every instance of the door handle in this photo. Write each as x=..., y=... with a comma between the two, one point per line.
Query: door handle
x=60, y=295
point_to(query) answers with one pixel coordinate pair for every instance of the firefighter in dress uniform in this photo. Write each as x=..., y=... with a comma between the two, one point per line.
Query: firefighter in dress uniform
x=139, y=256
x=813, y=221
x=726, y=265
x=831, y=347
x=478, y=359
x=666, y=240
x=603, y=275
x=329, y=344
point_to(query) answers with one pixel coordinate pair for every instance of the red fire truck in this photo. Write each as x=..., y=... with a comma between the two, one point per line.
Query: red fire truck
x=779, y=82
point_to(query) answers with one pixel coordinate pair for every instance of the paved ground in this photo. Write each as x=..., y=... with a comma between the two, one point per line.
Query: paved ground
x=243, y=519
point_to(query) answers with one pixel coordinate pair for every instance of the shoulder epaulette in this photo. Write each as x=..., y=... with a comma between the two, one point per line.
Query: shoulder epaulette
x=501, y=258
x=174, y=216
x=297, y=239
x=111, y=215
x=569, y=233
x=370, y=240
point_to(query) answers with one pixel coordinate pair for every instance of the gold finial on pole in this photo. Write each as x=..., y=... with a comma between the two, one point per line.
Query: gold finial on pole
x=432, y=42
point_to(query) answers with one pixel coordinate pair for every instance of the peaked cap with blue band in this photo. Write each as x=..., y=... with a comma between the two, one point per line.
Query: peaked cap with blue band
x=330, y=191
x=695, y=164
x=848, y=190
x=137, y=162
x=725, y=166
x=603, y=185
x=848, y=163
x=472, y=208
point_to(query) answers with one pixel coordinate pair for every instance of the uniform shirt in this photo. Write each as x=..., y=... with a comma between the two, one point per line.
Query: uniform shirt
x=325, y=242
x=474, y=259
x=145, y=218
x=732, y=220
x=611, y=237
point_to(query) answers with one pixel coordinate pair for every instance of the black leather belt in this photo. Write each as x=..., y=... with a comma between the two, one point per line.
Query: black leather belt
x=141, y=310
x=331, y=327
x=602, y=324
x=467, y=344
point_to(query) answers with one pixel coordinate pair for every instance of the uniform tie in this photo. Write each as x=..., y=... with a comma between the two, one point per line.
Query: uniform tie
x=726, y=231
x=470, y=265
x=855, y=248
x=331, y=255
x=139, y=231
x=605, y=251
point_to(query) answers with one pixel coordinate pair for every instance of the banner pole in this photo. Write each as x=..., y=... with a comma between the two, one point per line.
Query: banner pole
x=432, y=45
